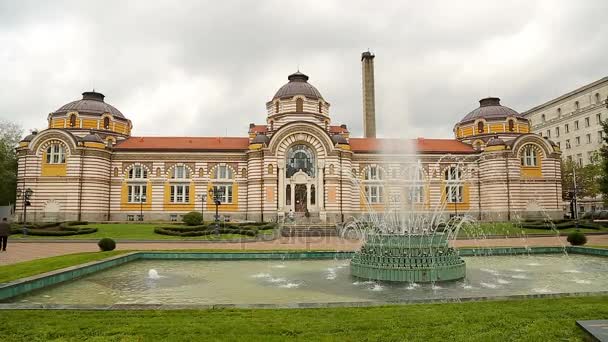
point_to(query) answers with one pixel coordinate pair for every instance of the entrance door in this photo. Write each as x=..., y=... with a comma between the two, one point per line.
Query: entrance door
x=300, y=197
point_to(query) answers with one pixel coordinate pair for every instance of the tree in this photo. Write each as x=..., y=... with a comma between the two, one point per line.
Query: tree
x=587, y=177
x=10, y=135
x=603, y=179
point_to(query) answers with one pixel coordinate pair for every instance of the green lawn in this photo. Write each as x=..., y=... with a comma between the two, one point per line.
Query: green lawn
x=134, y=231
x=525, y=320
x=33, y=267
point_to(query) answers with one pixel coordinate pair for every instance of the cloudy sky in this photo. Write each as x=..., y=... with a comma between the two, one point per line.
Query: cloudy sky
x=208, y=67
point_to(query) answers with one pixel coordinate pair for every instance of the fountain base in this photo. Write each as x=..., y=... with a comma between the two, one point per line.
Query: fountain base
x=408, y=258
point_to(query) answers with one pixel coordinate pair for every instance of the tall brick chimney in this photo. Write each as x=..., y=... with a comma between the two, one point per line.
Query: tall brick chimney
x=369, y=97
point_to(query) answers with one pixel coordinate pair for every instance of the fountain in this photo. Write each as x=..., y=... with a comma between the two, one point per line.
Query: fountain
x=404, y=244
x=412, y=258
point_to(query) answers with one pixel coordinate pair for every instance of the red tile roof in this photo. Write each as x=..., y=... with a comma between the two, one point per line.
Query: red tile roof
x=258, y=129
x=184, y=144
x=337, y=129
x=422, y=145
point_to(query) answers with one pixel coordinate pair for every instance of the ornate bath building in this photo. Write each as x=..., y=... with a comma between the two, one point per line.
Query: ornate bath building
x=87, y=166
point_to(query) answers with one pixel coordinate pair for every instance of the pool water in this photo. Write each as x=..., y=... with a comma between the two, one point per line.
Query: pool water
x=317, y=281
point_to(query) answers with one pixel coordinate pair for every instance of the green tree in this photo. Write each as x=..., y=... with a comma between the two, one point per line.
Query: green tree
x=603, y=179
x=10, y=135
x=587, y=178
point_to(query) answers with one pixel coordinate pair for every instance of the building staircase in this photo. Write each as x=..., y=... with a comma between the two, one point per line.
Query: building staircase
x=308, y=230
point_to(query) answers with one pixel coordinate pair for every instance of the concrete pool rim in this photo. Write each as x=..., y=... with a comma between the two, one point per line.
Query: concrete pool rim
x=25, y=285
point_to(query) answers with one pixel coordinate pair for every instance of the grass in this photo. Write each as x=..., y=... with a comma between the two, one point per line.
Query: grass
x=525, y=320
x=512, y=230
x=135, y=231
x=33, y=267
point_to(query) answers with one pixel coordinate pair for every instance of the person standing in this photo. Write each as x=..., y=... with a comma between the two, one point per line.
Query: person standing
x=5, y=230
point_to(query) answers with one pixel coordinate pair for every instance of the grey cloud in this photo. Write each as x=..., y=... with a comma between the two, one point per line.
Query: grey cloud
x=207, y=68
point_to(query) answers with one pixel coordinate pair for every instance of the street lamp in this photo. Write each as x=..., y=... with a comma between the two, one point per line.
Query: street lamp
x=26, y=194
x=203, y=198
x=141, y=199
x=214, y=193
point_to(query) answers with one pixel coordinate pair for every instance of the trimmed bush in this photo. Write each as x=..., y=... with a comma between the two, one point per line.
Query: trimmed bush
x=193, y=218
x=577, y=238
x=106, y=244
x=65, y=229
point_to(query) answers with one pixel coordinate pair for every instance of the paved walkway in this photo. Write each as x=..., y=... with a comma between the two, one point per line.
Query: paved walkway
x=23, y=251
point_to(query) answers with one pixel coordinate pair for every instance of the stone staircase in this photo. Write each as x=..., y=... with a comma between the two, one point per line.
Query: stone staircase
x=308, y=230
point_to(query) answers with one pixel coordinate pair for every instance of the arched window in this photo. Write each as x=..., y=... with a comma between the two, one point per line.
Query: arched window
x=299, y=105
x=559, y=112
x=597, y=98
x=115, y=172
x=480, y=127
x=543, y=118
x=138, y=172
x=276, y=107
x=300, y=157
x=106, y=123
x=137, y=190
x=577, y=105
x=180, y=172
x=244, y=172
x=331, y=169
x=511, y=126
x=73, y=120
x=414, y=183
x=374, y=173
x=374, y=188
x=223, y=173
x=529, y=157
x=313, y=194
x=179, y=190
x=270, y=169
x=320, y=107
x=453, y=185
x=55, y=154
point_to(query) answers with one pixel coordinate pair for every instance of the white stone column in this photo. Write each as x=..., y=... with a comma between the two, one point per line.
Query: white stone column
x=293, y=196
x=319, y=188
x=308, y=196
x=281, y=189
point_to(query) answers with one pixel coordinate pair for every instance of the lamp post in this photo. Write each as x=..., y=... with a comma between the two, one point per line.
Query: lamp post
x=203, y=197
x=26, y=194
x=141, y=199
x=214, y=193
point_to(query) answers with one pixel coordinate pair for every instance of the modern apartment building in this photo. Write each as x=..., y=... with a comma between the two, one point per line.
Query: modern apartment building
x=572, y=121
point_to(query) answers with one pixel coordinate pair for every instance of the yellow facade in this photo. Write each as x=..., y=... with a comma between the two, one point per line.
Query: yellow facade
x=124, y=198
x=52, y=170
x=464, y=205
x=90, y=124
x=178, y=206
x=497, y=128
x=226, y=206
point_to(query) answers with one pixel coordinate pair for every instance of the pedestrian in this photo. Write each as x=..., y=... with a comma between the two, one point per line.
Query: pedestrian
x=5, y=230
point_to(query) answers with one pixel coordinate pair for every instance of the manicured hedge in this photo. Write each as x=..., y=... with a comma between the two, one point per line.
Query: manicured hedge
x=65, y=229
x=561, y=224
x=202, y=232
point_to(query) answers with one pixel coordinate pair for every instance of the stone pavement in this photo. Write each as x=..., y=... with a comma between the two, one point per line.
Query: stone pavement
x=23, y=251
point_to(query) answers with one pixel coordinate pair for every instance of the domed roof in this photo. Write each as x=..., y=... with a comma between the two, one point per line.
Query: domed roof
x=298, y=85
x=338, y=139
x=260, y=139
x=92, y=137
x=490, y=108
x=496, y=141
x=92, y=103
x=30, y=137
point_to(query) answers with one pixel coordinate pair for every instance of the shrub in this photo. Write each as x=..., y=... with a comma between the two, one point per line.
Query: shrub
x=193, y=218
x=106, y=244
x=577, y=238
